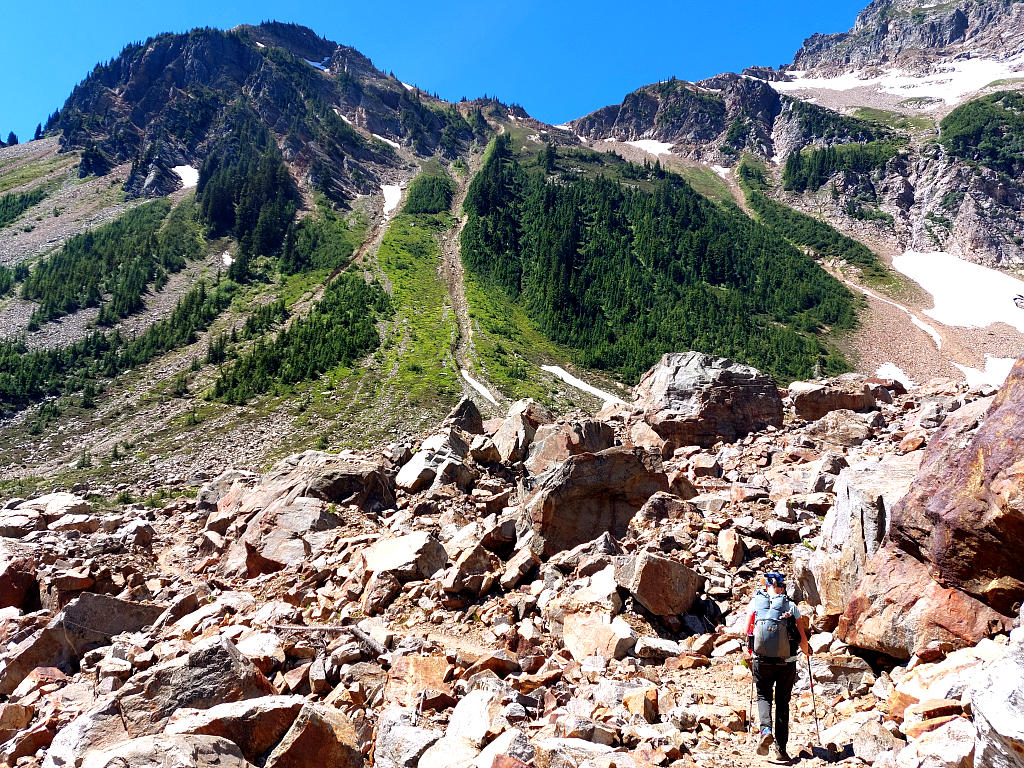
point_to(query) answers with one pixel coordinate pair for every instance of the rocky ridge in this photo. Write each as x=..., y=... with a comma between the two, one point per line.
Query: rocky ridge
x=914, y=34
x=534, y=590
x=924, y=199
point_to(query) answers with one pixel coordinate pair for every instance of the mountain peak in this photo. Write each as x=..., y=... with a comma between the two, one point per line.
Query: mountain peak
x=294, y=38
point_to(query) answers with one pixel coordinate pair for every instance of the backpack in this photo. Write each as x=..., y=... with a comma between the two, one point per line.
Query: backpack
x=772, y=639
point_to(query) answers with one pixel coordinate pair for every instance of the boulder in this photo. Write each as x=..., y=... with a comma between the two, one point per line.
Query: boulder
x=730, y=547
x=438, y=450
x=467, y=417
x=213, y=491
x=407, y=558
x=951, y=745
x=841, y=428
x=476, y=717
x=591, y=493
x=319, y=736
x=997, y=702
x=19, y=523
x=87, y=622
x=17, y=574
x=856, y=524
x=964, y=514
x=899, y=609
x=953, y=568
x=872, y=740
x=662, y=585
x=836, y=675
x=255, y=725
x=378, y=593
x=589, y=633
x=554, y=443
x=168, y=751
x=410, y=676
x=344, y=479
x=214, y=672
x=656, y=648
x=449, y=752
x=55, y=505
x=517, y=431
x=813, y=399
x=400, y=743
x=695, y=399
x=561, y=753
x=287, y=533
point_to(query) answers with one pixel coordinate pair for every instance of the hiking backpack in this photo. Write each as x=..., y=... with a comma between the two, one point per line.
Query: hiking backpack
x=771, y=631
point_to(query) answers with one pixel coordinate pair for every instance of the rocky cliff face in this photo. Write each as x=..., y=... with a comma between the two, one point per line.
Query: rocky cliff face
x=913, y=33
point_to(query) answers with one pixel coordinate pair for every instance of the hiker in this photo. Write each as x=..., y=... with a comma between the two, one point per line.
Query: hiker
x=773, y=630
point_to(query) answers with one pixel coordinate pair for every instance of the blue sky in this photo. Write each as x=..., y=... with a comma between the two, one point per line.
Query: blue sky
x=559, y=60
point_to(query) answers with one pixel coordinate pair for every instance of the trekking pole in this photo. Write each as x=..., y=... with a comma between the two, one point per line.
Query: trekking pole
x=750, y=707
x=814, y=700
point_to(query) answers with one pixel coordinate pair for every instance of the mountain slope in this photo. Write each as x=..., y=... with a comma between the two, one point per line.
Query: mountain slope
x=163, y=103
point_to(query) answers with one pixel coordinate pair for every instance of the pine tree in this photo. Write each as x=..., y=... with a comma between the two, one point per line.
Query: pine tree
x=39, y=132
x=12, y=139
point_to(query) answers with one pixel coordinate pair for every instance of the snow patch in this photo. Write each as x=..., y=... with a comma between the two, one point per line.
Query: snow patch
x=894, y=372
x=389, y=142
x=563, y=127
x=478, y=386
x=260, y=45
x=226, y=259
x=721, y=171
x=966, y=295
x=651, y=146
x=997, y=369
x=950, y=83
x=322, y=66
x=392, y=197
x=929, y=329
x=407, y=86
x=571, y=380
x=189, y=176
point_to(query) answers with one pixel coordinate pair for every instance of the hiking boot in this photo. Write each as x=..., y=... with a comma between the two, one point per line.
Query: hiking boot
x=766, y=740
x=779, y=755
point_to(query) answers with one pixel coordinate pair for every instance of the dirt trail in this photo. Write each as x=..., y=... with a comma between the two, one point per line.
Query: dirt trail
x=453, y=275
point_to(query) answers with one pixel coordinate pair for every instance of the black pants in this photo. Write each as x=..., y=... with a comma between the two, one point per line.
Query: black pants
x=778, y=678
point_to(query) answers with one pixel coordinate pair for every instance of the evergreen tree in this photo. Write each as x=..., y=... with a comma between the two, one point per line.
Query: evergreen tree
x=39, y=132
x=12, y=139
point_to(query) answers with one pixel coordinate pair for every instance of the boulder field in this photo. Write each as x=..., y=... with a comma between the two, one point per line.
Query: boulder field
x=549, y=590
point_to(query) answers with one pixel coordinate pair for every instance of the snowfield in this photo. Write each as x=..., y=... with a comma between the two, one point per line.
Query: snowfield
x=651, y=146
x=389, y=142
x=950, y=84
x=966, y=295
x=478, y=386
x=321, y=65
x=571, y=380
x=894, y=372
x=996, y=371
x=392, y=196
x=189, y=176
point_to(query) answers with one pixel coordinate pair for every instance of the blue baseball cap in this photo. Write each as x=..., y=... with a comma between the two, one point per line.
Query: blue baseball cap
x=774, y=578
